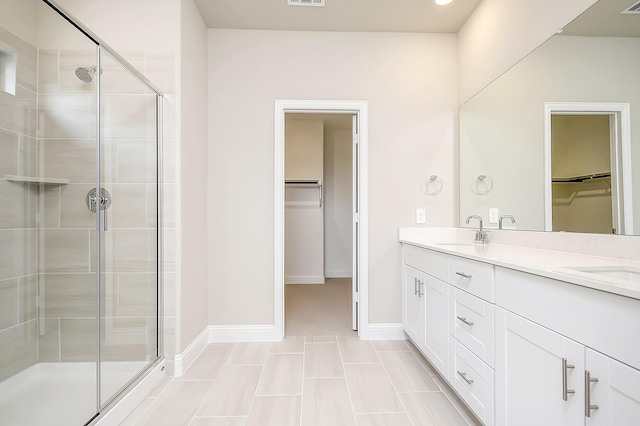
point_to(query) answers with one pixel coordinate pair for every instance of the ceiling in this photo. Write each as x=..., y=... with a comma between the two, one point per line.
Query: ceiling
x=604, y=19
x=422, y=16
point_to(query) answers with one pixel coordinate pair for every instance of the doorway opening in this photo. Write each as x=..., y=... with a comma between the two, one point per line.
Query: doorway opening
x=320, y=215
x=587, y=175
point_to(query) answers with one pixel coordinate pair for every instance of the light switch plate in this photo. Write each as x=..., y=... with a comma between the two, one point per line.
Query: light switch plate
x=493, y=215
x=421, y=216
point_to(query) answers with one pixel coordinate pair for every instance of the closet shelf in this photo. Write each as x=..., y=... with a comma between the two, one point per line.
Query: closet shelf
x=41, y=180
x=581, y=178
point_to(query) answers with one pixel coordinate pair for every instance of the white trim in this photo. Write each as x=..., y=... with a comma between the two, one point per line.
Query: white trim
x=119, y=412
x=624, y=111
x=386, y=331
x=332, y=107
x=184, y=360
x=304, y=279
x=243, y=333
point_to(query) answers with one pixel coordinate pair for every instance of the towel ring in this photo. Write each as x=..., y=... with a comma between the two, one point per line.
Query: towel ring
x=433, y=185
x=482, y=185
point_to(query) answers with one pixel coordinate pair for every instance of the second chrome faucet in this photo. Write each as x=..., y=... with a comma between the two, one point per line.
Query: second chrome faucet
x=481, y=236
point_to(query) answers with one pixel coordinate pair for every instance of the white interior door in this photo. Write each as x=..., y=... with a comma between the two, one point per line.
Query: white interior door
x=355, y=227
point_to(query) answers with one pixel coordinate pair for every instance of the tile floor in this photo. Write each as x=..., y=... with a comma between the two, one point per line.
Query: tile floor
x=321, y=374
x=305, y=380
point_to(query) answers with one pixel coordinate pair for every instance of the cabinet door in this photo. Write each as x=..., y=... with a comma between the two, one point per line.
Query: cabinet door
x=616, y=392
x=412, y=309
x=530, y=375
x=436, y=340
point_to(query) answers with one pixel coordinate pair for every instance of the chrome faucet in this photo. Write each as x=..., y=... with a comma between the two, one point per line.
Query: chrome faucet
x=481, y=236
x=505, y=216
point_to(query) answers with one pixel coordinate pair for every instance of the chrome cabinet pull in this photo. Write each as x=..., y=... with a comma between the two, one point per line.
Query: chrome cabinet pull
x=415, y=286
x=462, y=274
x=565, y=390
x=420, y=293
x=587, y=393
x=464, y=377
x=464, y=320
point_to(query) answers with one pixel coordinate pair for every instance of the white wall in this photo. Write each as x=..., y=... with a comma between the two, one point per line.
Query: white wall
x=338, y=203
x=501, y=32
x=409, y=81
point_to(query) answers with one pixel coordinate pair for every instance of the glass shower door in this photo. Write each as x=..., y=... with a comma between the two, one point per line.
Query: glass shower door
x=128, y=228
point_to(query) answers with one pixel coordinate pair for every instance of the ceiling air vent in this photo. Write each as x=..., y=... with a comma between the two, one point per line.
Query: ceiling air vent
x=305, y=2
x=633, y=9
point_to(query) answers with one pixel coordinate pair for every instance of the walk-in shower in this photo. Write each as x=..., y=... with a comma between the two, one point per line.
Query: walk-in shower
x=79, y=242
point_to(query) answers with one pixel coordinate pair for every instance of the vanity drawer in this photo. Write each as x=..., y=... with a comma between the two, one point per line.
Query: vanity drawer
x=473, y=380
x=474, y=277
x=431, y=262
x=471, y=322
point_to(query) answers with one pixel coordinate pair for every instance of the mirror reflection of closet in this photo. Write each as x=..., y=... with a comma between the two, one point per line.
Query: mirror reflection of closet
x=581, y=173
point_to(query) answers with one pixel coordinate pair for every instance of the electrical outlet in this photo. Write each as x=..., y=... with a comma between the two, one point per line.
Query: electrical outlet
x=421, y=216
x=493, y=215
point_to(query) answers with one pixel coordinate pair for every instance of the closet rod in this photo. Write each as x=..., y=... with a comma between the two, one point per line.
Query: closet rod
x=316, y=182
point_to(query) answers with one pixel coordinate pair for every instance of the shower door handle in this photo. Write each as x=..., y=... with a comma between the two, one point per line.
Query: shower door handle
x=105, y=203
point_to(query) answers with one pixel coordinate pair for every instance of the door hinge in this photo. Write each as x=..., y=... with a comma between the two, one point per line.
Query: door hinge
x=355, y=139
x=356, y=217
x=357, y=297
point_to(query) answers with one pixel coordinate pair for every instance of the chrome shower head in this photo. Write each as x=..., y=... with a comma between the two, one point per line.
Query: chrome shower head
x=85, y=74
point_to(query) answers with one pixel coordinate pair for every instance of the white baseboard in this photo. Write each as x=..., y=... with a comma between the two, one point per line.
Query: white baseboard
x=183, y=361
x=338, y=274
x=384, y=331
x=304, y=279
x=243, y=333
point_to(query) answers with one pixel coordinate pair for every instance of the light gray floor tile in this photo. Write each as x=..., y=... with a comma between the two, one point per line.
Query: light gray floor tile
x=249, y=353
x=356, y=351
x=275, y=411
x=325, y=402
x=282, y=375
x=218, y=421
x=176, y=404
x=232, y=392
x=137, y=412
x=289, y=345
x=210, y=362
x=322, y=360
x=383, y=419
x=390, y=345
x=431, y=409
x=321, y=339
x=371, y=390
x=406, y=372
x=425, y=363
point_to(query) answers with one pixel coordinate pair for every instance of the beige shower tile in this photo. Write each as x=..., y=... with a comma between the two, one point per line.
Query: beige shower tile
x=28, y=156
x=124, y=339
x=18, y=252
x=74, y=212
x=68, y=295
x=130, y=250
x=65, y=250
x=49, y=340
x=18, y=205
x=18, y=349
x=69, y=61
x=282, y=375
x=431, y=409
x=232, y=392
x=136, y=161
x=73, y=159
x=66, y=116
x=177, y=403
x=169, y=287
x=28, y=294
x=218, y=421
x=51, y=211
x=406, y=372
x=289, y=344
x=354, y=350
x=322, y=360
x=160, y=68
x=18, y=112
x=168, y=152
x=254, y=353
x=78, y=339
x=209, y=363
x=275, y=411
x=169, y=205
x=117, y=80
x=129, y=208
x=325, y=402
x=383, y=419
x=48, y=71
x=390, y=345
x=27, y=54
x=131, y=116
x=8, y=303
x=9, y=145
x=371, y=390
x=135, y=294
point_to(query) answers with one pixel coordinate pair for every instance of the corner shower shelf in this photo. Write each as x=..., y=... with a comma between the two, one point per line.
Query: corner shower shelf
x=42, y=180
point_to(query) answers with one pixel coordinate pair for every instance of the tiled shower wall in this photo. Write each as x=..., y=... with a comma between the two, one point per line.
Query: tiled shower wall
x=18, y=209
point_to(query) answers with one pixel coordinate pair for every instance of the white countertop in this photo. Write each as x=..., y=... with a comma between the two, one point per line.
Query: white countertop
x=546, y=263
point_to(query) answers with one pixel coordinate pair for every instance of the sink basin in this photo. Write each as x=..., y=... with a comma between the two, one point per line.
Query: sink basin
x=625, y=273
x=456, y=244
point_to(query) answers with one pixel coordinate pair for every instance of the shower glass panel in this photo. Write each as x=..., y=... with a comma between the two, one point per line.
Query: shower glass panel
x=78, y=221
x=128, y=243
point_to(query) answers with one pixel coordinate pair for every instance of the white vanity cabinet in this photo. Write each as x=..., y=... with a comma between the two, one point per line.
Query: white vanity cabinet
x=425, y=304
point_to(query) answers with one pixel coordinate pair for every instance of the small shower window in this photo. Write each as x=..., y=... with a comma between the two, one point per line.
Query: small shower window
x=8, y=62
